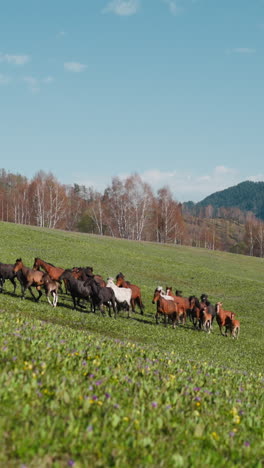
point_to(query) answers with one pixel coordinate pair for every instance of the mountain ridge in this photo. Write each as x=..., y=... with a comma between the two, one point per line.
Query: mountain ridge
x=247, y=196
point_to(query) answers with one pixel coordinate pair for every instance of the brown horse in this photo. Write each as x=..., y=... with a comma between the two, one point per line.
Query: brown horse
x=233, y=326
x=167, y=308
x=136, y=292
x=182, y=304
x=53, y=272
x=29, y=278
x=195, y=311
x=223, y=317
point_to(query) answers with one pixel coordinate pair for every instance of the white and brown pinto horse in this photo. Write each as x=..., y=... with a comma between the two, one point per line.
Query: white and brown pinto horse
x=166, y=306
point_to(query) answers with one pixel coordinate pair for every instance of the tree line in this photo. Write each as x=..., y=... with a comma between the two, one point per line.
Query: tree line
x=129, y=209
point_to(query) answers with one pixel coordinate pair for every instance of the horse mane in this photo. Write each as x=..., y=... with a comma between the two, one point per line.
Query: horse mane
x=50, y=264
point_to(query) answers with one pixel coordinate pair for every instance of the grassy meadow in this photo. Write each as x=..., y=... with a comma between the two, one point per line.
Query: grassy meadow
x=82, y=390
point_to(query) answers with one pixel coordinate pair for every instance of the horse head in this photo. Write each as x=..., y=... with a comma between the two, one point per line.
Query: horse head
x=120, y=276
x=36, y=265
x=18, y=265
x=119, y=280
x=157, y=294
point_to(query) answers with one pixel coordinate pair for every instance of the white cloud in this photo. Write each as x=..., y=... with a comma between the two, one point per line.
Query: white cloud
x=122, y=7
x=221, y=170
x=243, y=50
x=173, y=7
x=74, y=67
x=48, y=80
x=4, y=79
x=184, y=185
x=187, y=186
x=15, y=59
x=33, y=83
x=158, y=176
x=61, y=34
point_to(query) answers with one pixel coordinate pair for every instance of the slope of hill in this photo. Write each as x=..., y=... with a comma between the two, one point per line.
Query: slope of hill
x=247, y=196
x=79, y=389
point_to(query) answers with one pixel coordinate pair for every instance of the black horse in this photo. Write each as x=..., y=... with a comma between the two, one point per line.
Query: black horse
x=85, y=273
x=78, y=289
x=7, y=272
x=101, y=295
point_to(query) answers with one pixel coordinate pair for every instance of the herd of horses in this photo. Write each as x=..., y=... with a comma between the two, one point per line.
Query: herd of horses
x=82, y=284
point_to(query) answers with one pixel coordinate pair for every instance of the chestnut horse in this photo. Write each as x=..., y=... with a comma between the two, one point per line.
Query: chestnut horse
x=182, y=304
x=136, y=293
x=167, y=308
x=29, y=278
x=53, y=272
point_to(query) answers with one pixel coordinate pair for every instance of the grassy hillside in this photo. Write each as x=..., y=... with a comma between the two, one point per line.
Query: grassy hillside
x=83, y=390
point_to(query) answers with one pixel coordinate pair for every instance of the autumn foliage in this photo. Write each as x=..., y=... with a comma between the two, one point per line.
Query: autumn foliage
x=129, y=209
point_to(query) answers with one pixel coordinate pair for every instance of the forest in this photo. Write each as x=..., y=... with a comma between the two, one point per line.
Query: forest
x=129, y=209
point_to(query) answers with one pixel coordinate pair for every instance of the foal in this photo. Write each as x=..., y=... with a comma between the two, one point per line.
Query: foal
x=51, y=287
x=233, y=326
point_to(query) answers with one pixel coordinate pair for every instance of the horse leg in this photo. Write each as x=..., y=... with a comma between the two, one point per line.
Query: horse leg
x=23, y=291
x=133, y=304
x=47, y=296
x=174, y=320
x=74, y=301
x=109, y=308
x=114, y=306
x=38, y=288
x=1, y=284
x=101, y=307
x=66, y=288
x=140, y=304
x=55, y=301
x=28, y=286
x=14, y=284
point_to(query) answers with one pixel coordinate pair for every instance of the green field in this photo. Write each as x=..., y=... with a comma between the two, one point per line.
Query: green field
x=82, y=390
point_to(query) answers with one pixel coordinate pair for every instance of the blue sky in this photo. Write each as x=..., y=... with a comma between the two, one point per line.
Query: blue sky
x=170, y=89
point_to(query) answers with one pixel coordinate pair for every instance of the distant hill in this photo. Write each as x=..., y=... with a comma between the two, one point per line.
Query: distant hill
x=247, y=196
